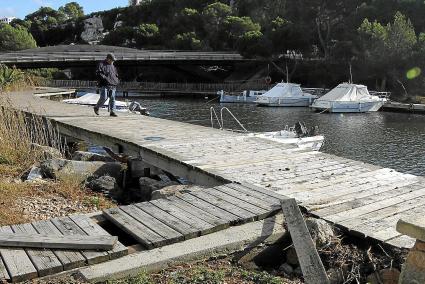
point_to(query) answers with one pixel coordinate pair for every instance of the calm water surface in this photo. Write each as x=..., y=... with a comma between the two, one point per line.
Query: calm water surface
x=394, y=140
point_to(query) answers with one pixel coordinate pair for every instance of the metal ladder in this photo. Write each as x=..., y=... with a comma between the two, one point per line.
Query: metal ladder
x=220, y=121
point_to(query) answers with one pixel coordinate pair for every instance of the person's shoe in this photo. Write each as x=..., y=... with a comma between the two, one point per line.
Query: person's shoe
x=96, y=110
x=113, y=114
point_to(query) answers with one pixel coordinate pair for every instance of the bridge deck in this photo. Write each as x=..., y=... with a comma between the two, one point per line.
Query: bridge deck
x=365, y=199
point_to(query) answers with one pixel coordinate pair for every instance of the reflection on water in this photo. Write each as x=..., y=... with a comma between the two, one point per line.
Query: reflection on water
x=394, y=140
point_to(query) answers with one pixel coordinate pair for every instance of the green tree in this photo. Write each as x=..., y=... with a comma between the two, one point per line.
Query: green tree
x=253, y=43
x=12, y=39
x=44, y=25
x=214, y=16
x=187, y=41
x=146, y=35
x=72, y=10
x=236, y=27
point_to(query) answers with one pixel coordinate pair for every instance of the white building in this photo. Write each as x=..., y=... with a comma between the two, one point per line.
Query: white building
x=134, y=2
x=6, y=20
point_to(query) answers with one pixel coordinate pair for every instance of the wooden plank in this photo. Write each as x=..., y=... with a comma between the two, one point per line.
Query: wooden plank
x=137, y=230
x=260, y=212
x=249, y=198
x=168, y=206
x=17, y=262
x=220, y=224
x=93, y=229
x=209, y=208
x=402, y=242
x=243, y=215
x=69, y=228
x=271, y=193
x=45, y=261
x=255, y=194
x=185, y=229
x=310, y=262
x=4, y=275
x=22, y=240
x=70, y=259
x=365, y=200
x=169, y=234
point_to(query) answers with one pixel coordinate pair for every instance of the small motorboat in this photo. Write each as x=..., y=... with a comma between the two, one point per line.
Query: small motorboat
x=347, y=98
x=297, y=135
x=248, y=96
x=91, y=99
x=286, y=95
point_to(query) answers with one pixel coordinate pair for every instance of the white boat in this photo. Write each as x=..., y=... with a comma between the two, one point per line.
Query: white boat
x=290, y=136
x=286, y=95
x=248, y=96
x=91, y=99
x=348, y=97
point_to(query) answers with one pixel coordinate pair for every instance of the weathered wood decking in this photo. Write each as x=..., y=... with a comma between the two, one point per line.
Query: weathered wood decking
x=20, y=264
x=365, y=199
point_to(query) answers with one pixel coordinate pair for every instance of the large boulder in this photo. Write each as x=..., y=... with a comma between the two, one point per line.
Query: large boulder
x=321, y=231
x=79, y=170
x=47, y=152
x=148, y=185
x=104, y=184
x=93, y=30
x=91, y=157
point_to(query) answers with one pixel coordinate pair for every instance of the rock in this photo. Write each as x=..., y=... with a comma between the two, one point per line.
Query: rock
x=91, y=157
x=321, y=232
x=291, y=256
x=103, y=184
x=172, y=190
x=298, y=272
x=149, y=185
x=286, y=269
x=35, y=174
x=93, y=30
x=79, y=170
x=48, y=152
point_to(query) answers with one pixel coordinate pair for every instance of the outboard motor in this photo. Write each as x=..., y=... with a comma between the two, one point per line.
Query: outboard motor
x=301, y=129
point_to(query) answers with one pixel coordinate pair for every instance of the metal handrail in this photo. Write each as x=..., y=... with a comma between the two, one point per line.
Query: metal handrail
x=213, y=113
x=234, y=117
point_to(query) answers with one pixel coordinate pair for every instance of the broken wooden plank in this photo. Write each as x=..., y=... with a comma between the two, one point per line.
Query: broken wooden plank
x=137, y=230
x=154, y=224
x=17, y=262
x=70, y=259
x=45, y=261
x=310, y=262
x=69, y=228
x=93, y=229
x=75, y=242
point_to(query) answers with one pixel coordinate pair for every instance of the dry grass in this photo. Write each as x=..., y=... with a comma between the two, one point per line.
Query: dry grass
x=18, y=132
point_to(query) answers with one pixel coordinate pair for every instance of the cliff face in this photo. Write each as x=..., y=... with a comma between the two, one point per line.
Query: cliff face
x=93, y=30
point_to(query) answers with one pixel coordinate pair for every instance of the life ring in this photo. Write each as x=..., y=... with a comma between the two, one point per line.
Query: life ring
x=268, y=79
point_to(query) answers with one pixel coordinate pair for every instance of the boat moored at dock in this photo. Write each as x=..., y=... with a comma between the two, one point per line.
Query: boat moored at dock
x=286, y=95
x=248, y=96
x=348, y=98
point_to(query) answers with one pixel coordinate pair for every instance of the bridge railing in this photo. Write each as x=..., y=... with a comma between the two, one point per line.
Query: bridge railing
x=235, y=86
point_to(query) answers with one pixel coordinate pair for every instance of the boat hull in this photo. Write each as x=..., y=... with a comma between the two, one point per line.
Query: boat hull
x=237, y=99
x=285, y=102
x=309, y=143
x=348, y=107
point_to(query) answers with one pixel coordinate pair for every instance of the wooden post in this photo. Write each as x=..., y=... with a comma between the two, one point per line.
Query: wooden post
x=310, y=262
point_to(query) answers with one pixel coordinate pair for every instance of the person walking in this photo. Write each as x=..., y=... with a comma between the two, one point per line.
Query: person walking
x=107, y=77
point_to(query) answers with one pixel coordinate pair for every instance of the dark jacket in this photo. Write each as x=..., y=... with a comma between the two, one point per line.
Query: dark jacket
x=107, y=75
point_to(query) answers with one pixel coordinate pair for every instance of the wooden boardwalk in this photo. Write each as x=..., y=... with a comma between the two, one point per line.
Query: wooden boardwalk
x=365, y=199
x=165, y=221
x=19, y=264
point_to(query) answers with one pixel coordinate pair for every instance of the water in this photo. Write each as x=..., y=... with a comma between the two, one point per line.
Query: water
x=394, y=140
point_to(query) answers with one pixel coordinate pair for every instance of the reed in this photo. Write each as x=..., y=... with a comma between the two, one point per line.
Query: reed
x=19, y=132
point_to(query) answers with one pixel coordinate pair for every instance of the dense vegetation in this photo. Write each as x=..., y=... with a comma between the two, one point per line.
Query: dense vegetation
x=383, y=40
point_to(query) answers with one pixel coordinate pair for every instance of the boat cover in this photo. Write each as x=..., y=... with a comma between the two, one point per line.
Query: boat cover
x=348, y=93
x=91, y=100
x=284, y=90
